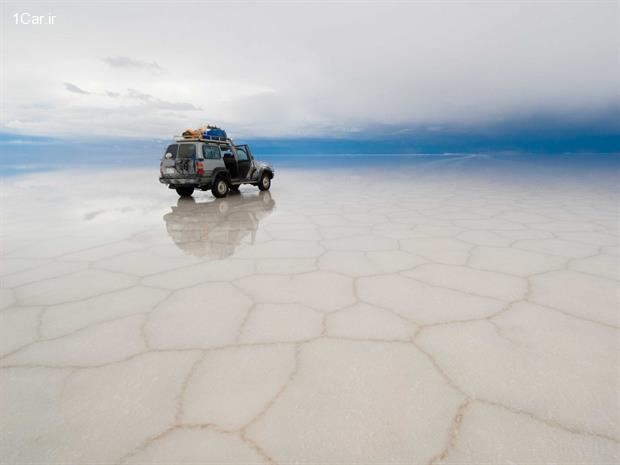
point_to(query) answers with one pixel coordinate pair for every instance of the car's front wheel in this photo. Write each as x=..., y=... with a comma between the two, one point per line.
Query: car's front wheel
x=185, y=191
x=220, y=188
x=265, y=182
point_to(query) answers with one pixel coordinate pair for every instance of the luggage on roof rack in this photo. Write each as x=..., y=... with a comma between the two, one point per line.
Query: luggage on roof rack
x=207, y=132
x=214, y=133
x=191, y=134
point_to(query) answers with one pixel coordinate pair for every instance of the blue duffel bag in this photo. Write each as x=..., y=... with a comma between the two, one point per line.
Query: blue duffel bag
x=215, y=133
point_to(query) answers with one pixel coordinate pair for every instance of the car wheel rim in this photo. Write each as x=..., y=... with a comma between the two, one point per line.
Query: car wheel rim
x=221, y=187
x=265, y=181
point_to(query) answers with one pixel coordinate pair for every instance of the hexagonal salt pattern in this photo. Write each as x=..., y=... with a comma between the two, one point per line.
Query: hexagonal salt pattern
x=340, y=319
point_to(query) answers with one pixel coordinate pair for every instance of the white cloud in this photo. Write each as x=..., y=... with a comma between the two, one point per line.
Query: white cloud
x=75, y=89
x=132, y=64
x=157, y=103
x=304, y=69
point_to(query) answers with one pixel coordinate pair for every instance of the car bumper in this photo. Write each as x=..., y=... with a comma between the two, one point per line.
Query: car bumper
x=182, y=181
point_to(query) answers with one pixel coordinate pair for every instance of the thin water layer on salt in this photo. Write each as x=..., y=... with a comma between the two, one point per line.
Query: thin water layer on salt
x=434, y=314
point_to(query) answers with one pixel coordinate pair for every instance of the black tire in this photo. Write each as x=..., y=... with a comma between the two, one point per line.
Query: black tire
x=264, y=183
x=220, y=188
x=185, y=191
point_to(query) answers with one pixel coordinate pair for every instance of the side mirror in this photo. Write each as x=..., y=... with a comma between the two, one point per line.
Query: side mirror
x=168, y=156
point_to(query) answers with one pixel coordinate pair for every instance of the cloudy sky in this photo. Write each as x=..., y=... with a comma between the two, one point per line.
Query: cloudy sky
x=152, y=69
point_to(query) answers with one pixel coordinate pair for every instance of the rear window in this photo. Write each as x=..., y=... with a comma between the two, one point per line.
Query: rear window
x=172, y=149
x=211, y=152
x=187, y=151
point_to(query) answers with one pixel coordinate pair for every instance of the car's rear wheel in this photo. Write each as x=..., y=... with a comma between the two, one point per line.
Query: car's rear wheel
x=265, y=182
x=185, y=191
x=220, y=188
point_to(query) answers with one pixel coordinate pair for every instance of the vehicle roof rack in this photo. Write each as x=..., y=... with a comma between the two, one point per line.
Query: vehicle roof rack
x=216, y=140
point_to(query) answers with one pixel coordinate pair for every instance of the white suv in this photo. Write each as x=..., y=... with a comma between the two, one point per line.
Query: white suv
x=190, y=164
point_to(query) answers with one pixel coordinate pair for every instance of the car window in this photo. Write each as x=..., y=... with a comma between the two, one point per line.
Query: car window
x=187, y=151
x=241, y=154
x=172, y=149
x=226, y=152
x=211, y=152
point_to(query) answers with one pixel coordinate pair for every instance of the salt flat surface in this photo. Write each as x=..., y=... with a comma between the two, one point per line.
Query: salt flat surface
x=339, y=319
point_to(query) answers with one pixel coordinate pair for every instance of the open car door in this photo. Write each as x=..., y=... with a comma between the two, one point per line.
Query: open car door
x=244, y=161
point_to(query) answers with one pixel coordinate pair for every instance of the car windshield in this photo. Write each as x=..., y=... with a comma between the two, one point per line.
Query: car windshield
x=187, y=151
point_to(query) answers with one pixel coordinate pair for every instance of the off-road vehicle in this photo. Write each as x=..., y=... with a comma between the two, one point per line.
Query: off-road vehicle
x=189, y=164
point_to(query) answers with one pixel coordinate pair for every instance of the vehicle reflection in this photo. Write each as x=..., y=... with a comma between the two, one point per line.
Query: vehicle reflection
x=216, y=228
